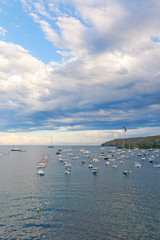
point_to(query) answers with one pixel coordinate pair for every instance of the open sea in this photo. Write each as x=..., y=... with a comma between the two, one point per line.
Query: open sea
x=79, y=206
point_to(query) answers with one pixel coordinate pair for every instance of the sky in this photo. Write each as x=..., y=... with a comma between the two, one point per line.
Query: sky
x=75, y=71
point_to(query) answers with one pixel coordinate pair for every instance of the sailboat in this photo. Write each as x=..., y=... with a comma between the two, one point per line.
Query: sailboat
x=51, y=146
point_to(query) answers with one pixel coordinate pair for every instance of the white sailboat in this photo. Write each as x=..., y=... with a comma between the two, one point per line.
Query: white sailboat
x=51, y=146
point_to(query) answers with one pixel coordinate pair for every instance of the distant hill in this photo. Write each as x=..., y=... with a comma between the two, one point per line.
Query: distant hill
x=140, y=142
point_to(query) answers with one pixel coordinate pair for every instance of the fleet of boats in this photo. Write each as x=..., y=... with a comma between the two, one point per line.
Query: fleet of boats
x=112, y=157
x=42, y=164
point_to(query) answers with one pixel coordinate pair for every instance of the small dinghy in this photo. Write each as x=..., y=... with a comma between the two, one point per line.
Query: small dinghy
x=95, y=170
x=40, y=173
x=127, y=173
x=157, y=165
x=90, y=166
x=67, y=172
x=83, y=162
x=108, y=163
x=137, y=164
x=114, y=166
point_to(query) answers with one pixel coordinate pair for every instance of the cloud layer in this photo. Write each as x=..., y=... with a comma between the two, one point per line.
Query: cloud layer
x=108, y=75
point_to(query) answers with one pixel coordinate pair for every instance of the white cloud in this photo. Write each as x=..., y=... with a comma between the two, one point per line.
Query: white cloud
x=23, y=78
x=108, y=57
x=2, y=33
x=100, y=16
x=154, y=107
x=40, y=8
x=79, y=84
x=72, y=32
x=72, y=137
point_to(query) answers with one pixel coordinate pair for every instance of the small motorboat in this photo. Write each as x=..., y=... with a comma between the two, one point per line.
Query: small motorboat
x=137, y=164
x=114, y=166
x=90, y=166
x=81, y=150
x=41, y=165
x=40, y=173
x=151, y=160
x=68, y=166
x=95, y=170
x=58, y=153
x=75, y=157
x=86, y=152
x=157, y=165
x=83, y=162
x=67, y=172
x=108, y=163
x=127, y=173
x=95, y=160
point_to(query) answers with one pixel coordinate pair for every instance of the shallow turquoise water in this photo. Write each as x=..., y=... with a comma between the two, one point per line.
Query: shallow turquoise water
x=82, y=205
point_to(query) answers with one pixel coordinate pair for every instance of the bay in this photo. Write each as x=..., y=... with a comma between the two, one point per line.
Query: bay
x=82, y=205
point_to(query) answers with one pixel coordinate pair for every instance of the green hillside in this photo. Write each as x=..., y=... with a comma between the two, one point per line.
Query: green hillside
x=137, y=142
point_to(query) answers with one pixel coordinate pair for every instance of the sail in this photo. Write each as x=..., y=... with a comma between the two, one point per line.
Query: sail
x=125, y=129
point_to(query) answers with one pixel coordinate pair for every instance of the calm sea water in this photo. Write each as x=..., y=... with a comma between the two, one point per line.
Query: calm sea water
x=80, y=206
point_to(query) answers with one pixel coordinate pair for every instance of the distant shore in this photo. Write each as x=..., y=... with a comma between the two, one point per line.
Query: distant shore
x=137, y=142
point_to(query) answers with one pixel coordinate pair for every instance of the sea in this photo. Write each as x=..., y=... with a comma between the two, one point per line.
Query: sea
x=80, y=206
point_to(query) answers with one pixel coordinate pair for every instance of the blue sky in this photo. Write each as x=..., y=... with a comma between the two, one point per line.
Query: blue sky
x=78, y=70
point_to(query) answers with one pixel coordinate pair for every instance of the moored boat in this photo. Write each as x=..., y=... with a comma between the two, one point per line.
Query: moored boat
x=40, y=173
x=114, y=166
x=95, y=170
x=137, y=164
x=67, y=172
x=127, y=173
x=90, y=166
x=157, y=165
x=83, y=161
x=41, y=165
x=108, y=163
x=15, y=149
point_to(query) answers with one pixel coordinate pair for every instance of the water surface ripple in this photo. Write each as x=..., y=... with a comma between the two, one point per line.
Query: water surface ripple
x=106, y=206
